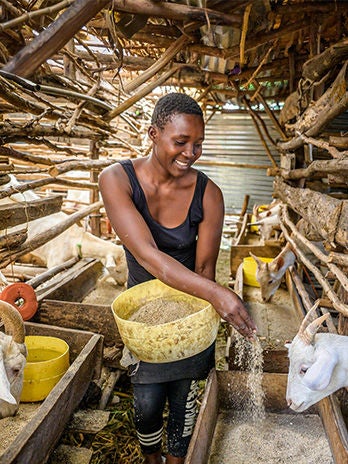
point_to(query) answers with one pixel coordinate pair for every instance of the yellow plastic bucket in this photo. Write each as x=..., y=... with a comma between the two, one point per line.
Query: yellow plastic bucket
x=170, y=341
x=47, y=362
x=249, y=270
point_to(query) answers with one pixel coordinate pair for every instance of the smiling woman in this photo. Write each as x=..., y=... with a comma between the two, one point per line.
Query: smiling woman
x=169, y=218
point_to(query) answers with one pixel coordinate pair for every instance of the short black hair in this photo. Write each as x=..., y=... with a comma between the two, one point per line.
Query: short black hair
x=172, y=104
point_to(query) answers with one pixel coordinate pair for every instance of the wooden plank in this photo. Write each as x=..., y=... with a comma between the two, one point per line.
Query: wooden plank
x=95, y=318
x=75, y=283
x=37, y=440
x=12, y=214
x=335, y=428
x=198, y=451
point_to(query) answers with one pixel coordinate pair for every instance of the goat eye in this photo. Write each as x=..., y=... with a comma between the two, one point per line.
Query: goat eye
x=303, y=370
x=270, y=282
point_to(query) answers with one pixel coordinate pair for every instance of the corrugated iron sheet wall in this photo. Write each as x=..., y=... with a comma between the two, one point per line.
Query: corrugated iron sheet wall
x=232, y=137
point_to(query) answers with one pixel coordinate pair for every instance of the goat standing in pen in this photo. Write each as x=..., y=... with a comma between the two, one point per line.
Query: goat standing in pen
x=13, y=354
x=318, y=364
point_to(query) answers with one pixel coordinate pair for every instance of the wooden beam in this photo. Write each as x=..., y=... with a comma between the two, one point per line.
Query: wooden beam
x=178, y=12
x=54, y=37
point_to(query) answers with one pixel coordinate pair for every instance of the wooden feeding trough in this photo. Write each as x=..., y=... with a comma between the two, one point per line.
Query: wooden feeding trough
x=34, y=441
x=217, y=434
x=224, y=434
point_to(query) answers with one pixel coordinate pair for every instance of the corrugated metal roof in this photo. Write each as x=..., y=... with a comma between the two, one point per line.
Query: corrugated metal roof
x=233, y=138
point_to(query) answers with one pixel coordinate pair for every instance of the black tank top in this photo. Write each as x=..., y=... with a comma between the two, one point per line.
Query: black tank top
x=180, y=243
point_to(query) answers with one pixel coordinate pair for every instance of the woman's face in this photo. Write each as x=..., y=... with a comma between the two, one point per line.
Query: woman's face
x=179, y=144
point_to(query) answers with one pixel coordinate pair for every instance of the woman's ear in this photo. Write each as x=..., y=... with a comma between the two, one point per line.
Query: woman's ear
x=152, y=131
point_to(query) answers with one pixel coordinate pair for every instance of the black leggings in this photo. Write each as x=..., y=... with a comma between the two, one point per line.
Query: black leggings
x=149, y=404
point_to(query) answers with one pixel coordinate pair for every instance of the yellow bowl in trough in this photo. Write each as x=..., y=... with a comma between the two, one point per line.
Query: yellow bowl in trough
x=47, y=362
x=249, y=270
x=169, y=341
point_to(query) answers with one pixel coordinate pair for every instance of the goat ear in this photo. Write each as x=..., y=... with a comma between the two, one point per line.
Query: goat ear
x=259, y=261
x=318, y=376
x=277, y=263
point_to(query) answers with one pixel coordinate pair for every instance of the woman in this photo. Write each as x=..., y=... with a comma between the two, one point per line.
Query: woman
x=169, y=218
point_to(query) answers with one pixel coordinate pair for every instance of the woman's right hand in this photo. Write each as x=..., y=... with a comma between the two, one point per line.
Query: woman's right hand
x=233, y=310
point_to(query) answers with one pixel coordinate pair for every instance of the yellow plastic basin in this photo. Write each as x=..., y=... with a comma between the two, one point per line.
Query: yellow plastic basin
x=47, y=362
x=249, y=270
x=170, y=341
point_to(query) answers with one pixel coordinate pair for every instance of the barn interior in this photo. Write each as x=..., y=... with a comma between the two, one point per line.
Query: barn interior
x=79, y=80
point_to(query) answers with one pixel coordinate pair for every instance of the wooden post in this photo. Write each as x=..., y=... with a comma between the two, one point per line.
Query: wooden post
x=94, y=194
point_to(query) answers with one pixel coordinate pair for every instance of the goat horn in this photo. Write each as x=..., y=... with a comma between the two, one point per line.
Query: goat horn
x=308, y=329
x=309, y=316
x=13, y=321
x=314, y=326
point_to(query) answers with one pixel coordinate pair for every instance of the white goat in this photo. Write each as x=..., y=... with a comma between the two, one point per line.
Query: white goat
x=267, y=220
x=318, y=364
x=13, y=354
x=269, y=275
x=73, y=242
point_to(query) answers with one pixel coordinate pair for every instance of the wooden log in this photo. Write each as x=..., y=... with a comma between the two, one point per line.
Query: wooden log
x=85, y=165
x=73, y=315
x=315, y=68
x=12, y=214
x=333, y=103
x=31, y=185
x=10, y=152
x=176, y=12
x=327, y=215
x=13, y=239
x=317, y=168
x=23, y=272
x=145, y=90
x=339, y=142
x=327, y=288
x=159, y=65
x=54, y=37
x=44, y=276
